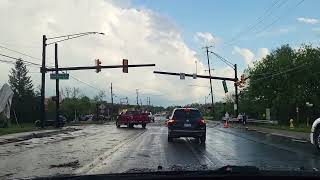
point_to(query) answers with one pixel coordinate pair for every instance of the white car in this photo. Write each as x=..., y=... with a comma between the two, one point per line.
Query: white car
x=315, y=134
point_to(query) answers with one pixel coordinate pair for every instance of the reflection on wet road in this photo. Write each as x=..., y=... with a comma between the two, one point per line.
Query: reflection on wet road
x=106, y=149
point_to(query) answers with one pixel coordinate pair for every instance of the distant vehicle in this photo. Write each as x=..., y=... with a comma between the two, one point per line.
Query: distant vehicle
x=98, y=117
x=186, y=122
x=315, y=134
x=131, y=118
x=86, y=117
x=51, y=122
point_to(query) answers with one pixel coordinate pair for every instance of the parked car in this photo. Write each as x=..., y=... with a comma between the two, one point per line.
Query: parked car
x=315, y=134
x=186, y=122
x=51, y=122
x=131, y=118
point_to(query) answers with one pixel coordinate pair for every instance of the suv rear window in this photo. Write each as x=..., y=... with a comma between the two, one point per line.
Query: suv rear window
x=181, y=114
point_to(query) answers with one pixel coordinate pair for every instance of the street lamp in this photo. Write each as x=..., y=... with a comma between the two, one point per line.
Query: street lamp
x=55, y=39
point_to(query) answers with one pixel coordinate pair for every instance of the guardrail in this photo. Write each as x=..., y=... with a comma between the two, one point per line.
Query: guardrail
x=254, y=121
x=262, y=121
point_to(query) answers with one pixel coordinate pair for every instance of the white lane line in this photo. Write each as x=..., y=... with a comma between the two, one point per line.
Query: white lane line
x=86, y=168
x=199, y=155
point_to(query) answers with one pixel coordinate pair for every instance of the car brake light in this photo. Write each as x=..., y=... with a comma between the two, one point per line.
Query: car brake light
x=202, y=121
x=171, y=121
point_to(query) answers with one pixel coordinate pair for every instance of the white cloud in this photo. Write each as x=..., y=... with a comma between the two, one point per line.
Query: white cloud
x=141, y=36
x=206, y=38
x=248, y=56
x=262, y=53
x=308, y=20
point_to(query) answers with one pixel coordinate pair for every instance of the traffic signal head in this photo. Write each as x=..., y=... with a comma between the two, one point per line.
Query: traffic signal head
x=125, y=65
x=98, y=65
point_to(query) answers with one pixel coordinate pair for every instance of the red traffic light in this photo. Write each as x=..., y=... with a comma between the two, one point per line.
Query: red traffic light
x=98, y=65
x=125, y=65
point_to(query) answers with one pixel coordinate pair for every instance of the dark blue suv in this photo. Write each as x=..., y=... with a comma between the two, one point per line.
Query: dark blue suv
x=186, y=122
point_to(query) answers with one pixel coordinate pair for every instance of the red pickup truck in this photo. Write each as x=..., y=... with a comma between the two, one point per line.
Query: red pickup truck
x=131, y=118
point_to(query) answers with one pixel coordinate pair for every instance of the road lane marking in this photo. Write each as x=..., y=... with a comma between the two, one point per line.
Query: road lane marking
x=86, y=168
x=198, y=156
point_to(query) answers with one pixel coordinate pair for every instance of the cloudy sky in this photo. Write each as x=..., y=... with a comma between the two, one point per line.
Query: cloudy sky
x=169, y=33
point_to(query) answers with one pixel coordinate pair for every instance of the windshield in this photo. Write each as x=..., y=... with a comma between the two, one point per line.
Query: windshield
x=105, y=86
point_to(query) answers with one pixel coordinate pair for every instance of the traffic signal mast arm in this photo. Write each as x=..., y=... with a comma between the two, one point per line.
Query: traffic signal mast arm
x=198, y=76
x=95, y=67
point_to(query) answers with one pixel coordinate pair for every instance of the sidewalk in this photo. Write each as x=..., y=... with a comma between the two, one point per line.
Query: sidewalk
x=294, y=136
x=16, y=137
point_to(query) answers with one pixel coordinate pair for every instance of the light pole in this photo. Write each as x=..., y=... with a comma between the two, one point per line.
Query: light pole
x=211, y=91
x=55, y=39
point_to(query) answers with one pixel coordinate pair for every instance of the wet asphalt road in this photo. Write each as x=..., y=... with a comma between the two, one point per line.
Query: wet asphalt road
x=106, y=149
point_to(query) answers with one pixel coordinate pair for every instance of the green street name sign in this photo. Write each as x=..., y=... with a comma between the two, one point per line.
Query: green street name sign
x=59, y=76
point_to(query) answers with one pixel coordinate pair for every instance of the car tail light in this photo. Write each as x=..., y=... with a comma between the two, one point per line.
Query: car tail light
x=202, y=121
x=171, y=121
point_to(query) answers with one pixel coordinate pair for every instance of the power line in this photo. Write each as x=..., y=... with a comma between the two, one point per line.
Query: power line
x=259, y=20
x=79, y=80
x=21, y=53
x=279, y=73
x=278, y=18
x=20, y=59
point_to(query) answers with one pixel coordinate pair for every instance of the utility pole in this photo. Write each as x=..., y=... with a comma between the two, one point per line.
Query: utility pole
x=111, y=101
x=57, y=85
x=111, y=94
x=236, y=90
x=137, y=91
x=212, y=110
x=43, y=81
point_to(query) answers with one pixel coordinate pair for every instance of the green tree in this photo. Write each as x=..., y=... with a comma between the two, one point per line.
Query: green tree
x=283, y=80
x=24, y=103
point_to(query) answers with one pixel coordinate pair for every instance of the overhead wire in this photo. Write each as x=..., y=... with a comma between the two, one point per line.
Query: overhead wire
x=38, y=65
x=29, y=62
x=278, y=18
x=282, y=72
x=259, y=21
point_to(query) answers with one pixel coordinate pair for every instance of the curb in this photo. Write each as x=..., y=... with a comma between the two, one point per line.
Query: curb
x=294, y=139
x=34, y=134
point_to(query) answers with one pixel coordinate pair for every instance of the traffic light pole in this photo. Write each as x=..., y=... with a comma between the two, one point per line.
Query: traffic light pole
x=57, y=85
x=43, y=81
x=212, y=106
x=236, y=90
